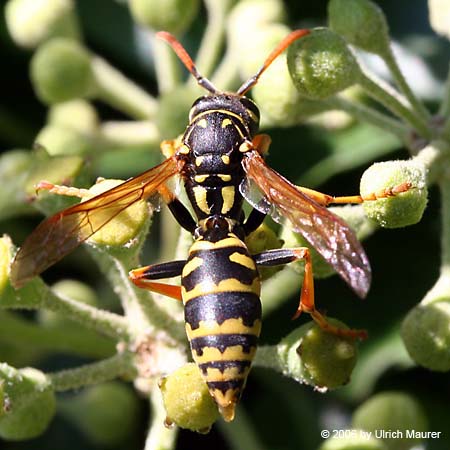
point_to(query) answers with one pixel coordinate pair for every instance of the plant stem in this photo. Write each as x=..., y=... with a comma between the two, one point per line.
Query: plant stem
x=444, y=109
x=213, y=36
x=129, y=134
x=267, y=357
x=98, y=372
x=397, y=74
x=435, y=157
x=104, y=322
x=371, y=115
x=444, y=186
x=159, y=437
x=393, y=101
x=142, y=312
x=120, y=92
x=18, y=331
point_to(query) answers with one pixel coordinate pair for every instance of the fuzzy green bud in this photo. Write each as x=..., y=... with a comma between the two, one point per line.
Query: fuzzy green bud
x=30, y=403
x=61, y=70
x=279, y=101
x=426, y=334
x=248, y=15
x=321, y=64
x=78, y=115
x=5, y=260
x=125, y=226
x=30, y=22
x=187, y=400
x=400, y=209
x=392, y=411
x=361, y=22
x=170, y=15
x=316, y=357
x=439, y=11
x=60, y=140
x=107, y=413
x=353, y=440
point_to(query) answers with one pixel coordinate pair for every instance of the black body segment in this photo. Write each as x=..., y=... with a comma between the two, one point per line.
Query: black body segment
x=220, y=291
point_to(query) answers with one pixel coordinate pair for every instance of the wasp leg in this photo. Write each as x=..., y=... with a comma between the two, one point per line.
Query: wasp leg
x=284, y=256
x=254, y=220
x=178, y=210
x=325, y=200
x=143, y=276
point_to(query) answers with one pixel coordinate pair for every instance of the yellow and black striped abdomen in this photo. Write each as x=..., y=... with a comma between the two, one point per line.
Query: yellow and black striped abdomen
x=221, y=287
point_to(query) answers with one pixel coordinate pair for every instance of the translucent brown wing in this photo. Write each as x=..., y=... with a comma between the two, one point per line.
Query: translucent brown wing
x=58, y=235
x=326, y=232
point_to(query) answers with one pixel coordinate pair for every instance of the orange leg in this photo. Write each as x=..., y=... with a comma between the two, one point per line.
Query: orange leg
x=306, y=304
x=143, y=277
x=325, y=200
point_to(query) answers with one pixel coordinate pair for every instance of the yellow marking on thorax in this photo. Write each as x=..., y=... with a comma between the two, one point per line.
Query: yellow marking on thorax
x=226, y=113
x=224, y=176
x=200, y=199
x=201, y=178
x=231, y=241
x=191, y=265
x=228, y=195
x=199, y=160
x=226, y=122
x=233, y=353
x=184, y=149
x=203, y=123
x=228, y=285
x=243, y=260
x=229, y=326
x=225, y=159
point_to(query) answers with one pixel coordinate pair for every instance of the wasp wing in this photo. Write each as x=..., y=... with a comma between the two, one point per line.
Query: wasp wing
x=58, y=235
x=325, y=231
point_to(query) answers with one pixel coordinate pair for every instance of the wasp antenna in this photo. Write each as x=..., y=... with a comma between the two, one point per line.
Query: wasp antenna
x=187, y=60
x=283, y=45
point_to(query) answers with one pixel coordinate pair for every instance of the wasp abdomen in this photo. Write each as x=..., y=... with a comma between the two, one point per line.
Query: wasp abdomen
x=223, y=315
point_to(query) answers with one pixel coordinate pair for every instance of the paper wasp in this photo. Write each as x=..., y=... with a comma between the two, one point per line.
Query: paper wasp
x=220, y=160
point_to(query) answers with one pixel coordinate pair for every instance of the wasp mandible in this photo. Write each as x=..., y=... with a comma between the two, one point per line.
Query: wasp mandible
x=220, y=159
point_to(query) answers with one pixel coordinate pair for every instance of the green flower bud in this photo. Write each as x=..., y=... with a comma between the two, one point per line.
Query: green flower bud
x=14, y=166
x=61, y=70
x=353, y=440
x=55, y=170
x=187, y=400
x=125, y=226
x=321, y=64
x=313, y=356
x=440, y=16
x=249, y=15
x=279, y=101
x=170, y=15
x=426, y=334
x=107, y=413
x=78, y=115
x=30, y=22
x=30, y=403
x=60, y=140
x=252, y=46
x=173, y=111
x=264, y=238
x=392, y=411
x=361, y=22
x=400, y=210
